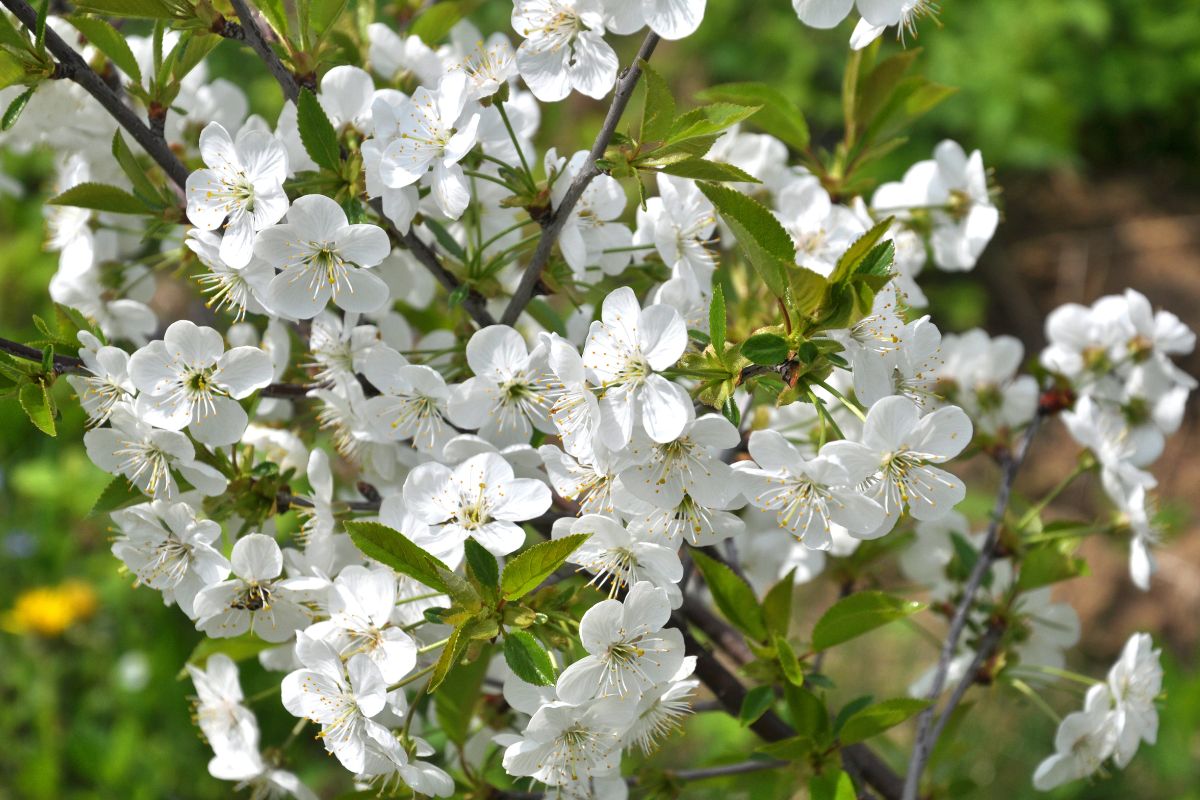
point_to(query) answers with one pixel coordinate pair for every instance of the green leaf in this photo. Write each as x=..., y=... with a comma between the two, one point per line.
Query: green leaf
x=275, y=12
x=142, y=187
x=99, y=197
x=1048, y=564
x=390, y=547
x=456, y=644
x=13, y=112
x=482, y=564
x=766, y=243
x=809, y=716
x=528, y=569
x=701, y=170
x=806, y=290
x=756, y=703
x=876, y=88
x=855, y=615
x=731, y=412
x=528, y=659
x=777, y=115
x=316, y=132
x=777, y=605
x=435, y=22
x=39, y=39
x=856, y=253
x=874, y=720
x=38, y=406
x=707, y=121
x=109, y=41
x=446, y=239
x=238, y=648
x=832, y=784
x=458, y=698
x=788, y=661
x=12, y=71
x=138, y=9
x=733, y=596
x=117, y=494
x=767, y=349
x=324, y=14
x=658, y=106
x=717, y=319
x=878, y=262
x=795, y=748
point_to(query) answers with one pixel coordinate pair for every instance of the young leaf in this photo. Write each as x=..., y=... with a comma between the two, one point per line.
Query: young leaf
x=1048, y=564
x=451, y=653
x=658, y=106
x=38, y=406
x=756, y=703
x=857, y=252
x=777, y=605
x=388, y=546
x=528, y=659
x=788, y=661
x=832, y=784
x=734, y=597
x=876, y=719
x=435, y=22
x=777, y=114
x=137, y=9
x=109, y=41
x=99, y=197
x=707, y=120
x=717, y=319
x=482, y=564
x=456, y=701
x=12, y=71
x=700, y=170
x=117, y=494
x=142, y=187
x=13, y=112
x=526, y=570
x=316, y=132
x=855, y=615
x=766, y=243
x=238, y=648
x=767, y=349
x=323, y=14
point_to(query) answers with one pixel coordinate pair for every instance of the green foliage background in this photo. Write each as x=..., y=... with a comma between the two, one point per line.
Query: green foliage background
x=1094, y=85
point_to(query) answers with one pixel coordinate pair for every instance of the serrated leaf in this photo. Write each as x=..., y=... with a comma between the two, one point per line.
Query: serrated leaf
x=458, y=698
x=316, y=132
x=390, y=547
x=38, y=406
x=1048, y=564
x=145, y=191
x=878, y=262
x=525, y=571
x=876, y=88
x=707, y=121
x=766, y=243
x=117, y=494
x=767, y=349
x=731, y=412
x=482, y=564
x=99, y=197
x=755, y=703
x=658, y=106
x=13, y=112
x=717, y=319
x=788, y=661
x=435, y=22
x=699, y=169
x=853, y=616
x=857, y=252
x=110, y=42
x=777, y=115
x=874, y=720
x=324, y=14
x=136, y=9
x=528, y=659
x=455, y=645
x=733, y=596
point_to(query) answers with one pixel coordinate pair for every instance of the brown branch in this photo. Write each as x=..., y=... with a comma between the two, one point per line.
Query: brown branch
x=553, y=225
x=72, y=66
x=253, y=36
x=926, y=734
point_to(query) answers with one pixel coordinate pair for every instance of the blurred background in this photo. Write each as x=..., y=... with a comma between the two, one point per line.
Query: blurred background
x=1087, y=110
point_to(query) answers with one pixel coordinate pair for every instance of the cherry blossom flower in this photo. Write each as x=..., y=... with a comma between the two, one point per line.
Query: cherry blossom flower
x=1083, y=741
x=564, y=48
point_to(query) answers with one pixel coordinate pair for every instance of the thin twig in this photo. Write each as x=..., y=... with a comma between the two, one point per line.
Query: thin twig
x=986, y=649
x=987, y=554
x=554, y=223
x=254, y=37
x=71, y=65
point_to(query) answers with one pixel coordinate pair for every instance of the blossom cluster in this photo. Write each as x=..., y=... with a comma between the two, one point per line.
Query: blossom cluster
x=594, y=428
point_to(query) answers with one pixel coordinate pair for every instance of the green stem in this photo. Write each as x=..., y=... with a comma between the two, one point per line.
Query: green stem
x=516, y=226
x=429, y=648
x=483, y=176
x=1037, y=508
x=1063, y=673
x=516, y=144
x=1025, y=689
x=824, y=414
x=416, y=676
x=633, y=248
x=852, y=407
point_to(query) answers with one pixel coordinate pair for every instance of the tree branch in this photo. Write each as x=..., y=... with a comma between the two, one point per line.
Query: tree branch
x=553, y=225
x=72, y=66
x=926, y=735
x=253, y=36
